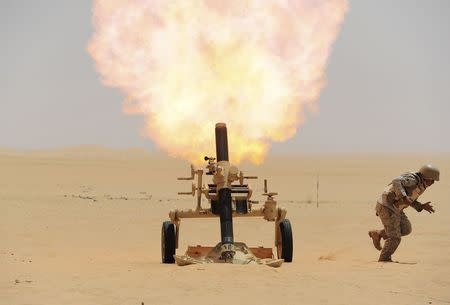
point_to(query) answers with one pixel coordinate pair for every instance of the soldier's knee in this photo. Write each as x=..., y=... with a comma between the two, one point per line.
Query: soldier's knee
x=406, y=230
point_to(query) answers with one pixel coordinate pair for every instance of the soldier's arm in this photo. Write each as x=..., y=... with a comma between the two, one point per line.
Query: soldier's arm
x=417, y=206
x=400, y=183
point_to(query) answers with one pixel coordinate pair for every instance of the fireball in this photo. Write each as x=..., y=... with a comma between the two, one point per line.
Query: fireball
x=185, y=65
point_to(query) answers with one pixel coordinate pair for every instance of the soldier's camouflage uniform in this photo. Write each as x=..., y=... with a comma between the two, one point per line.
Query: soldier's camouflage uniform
x=390, y=210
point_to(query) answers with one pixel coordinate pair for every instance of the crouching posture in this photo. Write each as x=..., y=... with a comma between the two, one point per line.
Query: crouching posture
x=398, y=195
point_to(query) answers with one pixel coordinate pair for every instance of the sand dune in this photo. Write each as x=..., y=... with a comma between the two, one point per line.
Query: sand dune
x=82, y=226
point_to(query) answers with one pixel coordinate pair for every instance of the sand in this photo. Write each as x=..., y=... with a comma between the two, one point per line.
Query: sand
x=82, y=226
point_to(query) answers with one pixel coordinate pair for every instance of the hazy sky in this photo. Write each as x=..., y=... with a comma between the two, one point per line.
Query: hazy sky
x=388, y=82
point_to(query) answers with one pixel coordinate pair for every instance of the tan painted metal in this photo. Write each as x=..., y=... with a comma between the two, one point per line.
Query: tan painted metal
x=198, y=251
x=224, y=175
x=242, y=255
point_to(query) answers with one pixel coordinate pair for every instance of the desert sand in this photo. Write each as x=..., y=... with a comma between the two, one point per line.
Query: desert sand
x=82, y=226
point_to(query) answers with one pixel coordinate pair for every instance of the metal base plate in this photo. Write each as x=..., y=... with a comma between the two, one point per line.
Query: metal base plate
x=243, y=255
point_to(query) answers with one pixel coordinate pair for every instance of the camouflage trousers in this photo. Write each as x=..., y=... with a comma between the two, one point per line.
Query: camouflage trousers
x=396, y=224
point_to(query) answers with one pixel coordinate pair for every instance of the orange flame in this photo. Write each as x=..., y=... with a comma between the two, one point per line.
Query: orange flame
x=186, y=65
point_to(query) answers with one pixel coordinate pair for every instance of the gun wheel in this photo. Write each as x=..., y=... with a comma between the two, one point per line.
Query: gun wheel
x=285, y=249
x=168, y=242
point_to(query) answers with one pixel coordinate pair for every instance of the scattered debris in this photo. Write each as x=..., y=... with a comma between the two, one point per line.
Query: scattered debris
x=85, y=197
x=26, y=281
x=328, y=257
x=147, y=197
x=109, y=197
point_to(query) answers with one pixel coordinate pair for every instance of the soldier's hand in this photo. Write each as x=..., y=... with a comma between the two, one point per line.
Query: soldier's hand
x=428, y=207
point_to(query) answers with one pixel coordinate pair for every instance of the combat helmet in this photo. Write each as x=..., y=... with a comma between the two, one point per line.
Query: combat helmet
x=429, y=172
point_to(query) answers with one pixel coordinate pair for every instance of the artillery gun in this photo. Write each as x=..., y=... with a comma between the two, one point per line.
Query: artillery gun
x=228, y=196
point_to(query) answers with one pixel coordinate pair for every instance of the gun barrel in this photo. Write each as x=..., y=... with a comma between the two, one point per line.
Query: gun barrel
x=226, y=216
x=221, y=142
x=224, y=194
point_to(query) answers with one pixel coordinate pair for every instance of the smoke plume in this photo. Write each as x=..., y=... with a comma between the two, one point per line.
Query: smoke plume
x=186, y=65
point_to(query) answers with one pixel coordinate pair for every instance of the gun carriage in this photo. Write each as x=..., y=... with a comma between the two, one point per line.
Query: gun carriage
x=228, y=196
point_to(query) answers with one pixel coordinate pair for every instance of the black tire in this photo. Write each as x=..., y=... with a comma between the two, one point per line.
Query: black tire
x=168, y=242
x=286, y=248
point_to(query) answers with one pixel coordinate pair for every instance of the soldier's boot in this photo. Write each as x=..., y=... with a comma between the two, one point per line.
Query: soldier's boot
x=389, y=248
x=376, y=239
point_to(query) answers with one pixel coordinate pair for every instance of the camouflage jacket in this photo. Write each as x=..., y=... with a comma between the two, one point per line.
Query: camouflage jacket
x=408, y=184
